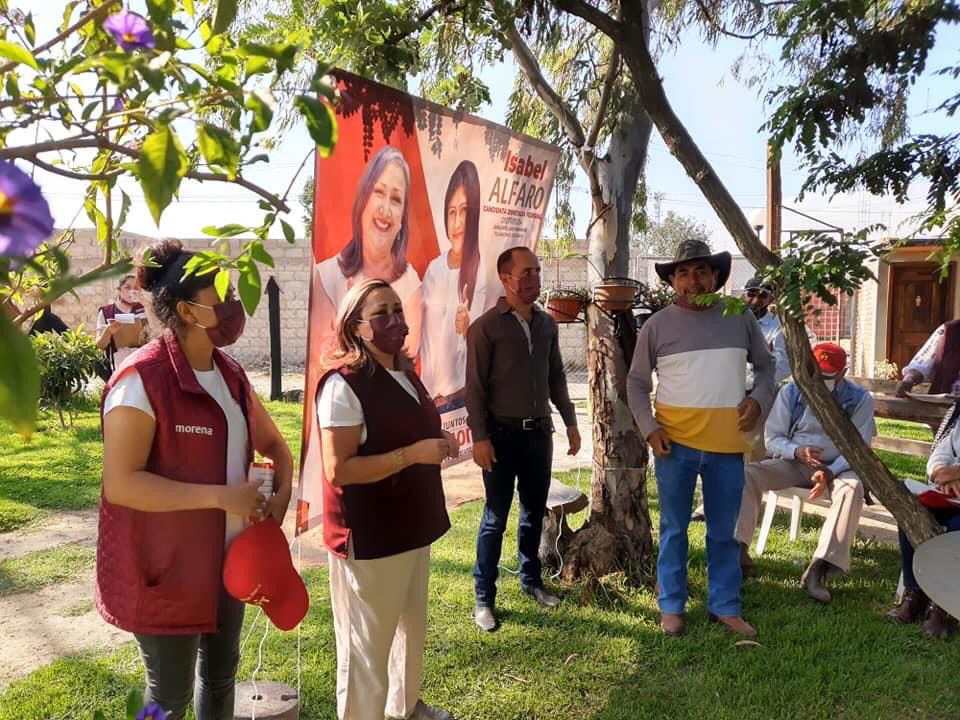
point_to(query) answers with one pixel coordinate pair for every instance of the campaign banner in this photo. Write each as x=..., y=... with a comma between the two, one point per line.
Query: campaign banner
x=425, y=198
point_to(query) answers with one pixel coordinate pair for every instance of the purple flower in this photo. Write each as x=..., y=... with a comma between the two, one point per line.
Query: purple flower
x=25, y=219
x=130, y=30
x=152, y=712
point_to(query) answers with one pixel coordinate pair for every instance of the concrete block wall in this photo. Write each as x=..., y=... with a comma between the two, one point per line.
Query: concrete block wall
x=292, y=273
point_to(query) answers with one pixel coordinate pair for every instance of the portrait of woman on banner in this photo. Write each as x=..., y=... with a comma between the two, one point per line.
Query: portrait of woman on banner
x=377, y=248
x=453, y=292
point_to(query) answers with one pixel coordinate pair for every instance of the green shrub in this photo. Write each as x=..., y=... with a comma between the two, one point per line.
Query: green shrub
x=66, y=362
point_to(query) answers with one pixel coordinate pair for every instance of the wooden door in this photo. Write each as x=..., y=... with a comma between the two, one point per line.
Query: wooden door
x=919, y=303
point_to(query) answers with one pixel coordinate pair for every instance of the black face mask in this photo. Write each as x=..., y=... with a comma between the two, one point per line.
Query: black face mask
x=389, y=332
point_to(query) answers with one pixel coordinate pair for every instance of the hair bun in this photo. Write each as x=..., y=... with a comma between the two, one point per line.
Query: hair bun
x=162, y=255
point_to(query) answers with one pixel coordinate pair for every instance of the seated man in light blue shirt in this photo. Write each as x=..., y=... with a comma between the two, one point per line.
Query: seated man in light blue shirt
x=803, y=455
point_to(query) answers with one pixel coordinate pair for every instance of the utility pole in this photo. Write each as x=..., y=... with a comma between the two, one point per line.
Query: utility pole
x=774, y=199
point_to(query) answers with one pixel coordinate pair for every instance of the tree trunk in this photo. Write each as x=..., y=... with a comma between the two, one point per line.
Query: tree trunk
x=912, y=517
x=916, y=521
x=617, y=536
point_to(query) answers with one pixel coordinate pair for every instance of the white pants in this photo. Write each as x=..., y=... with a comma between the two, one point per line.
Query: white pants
x=380, y=622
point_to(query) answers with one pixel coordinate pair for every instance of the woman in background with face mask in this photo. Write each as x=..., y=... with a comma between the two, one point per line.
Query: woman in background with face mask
x=180, y=426
x=383, y=506
x=127, y=303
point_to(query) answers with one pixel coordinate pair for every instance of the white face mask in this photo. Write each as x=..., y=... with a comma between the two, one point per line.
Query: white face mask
x=831, y=383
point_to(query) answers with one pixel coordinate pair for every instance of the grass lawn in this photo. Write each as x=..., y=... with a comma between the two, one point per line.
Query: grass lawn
x=600, y=655
x=44, y=567
x=60, y=469
x=597, y=657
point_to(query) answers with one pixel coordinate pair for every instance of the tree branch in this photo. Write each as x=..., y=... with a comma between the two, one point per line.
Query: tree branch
x=446, y=5
x=916, y=521
x=613, y=67
x=50, y=298
x=29, y=152
x=722, y=29
x=72, y=174
x=560, y=110
x=92, y=15
x=593, y=15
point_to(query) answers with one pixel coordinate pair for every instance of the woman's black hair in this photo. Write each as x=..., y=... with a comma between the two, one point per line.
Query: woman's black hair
x=161, y=274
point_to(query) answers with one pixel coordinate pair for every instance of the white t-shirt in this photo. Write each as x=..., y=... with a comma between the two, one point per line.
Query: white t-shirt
x=339, y=405
x=129, y=392
x=336, y=285
x=443, y=351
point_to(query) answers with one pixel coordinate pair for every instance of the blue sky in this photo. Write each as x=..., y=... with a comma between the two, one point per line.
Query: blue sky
x=722, y=115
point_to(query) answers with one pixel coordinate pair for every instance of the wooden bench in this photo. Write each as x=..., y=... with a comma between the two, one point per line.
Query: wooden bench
x=562, y=500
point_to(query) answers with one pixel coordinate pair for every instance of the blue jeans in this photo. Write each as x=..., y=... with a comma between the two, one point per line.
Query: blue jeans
x=524, y=456
x=203, y=666
x=722, y=475
x=949, y=518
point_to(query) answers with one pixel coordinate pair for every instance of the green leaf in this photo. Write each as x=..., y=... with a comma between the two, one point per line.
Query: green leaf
x=262, y=112
x=29, y=29
x=321, y=123
x=161, y=166
x=259, y=253
x=225, y=14
x=219, y=148
x=19, y=379
x=160, y=10
x=134, y=702
x=188, y=7
x=248, y=285
x=222, y=283
x=231, y=230
x=18, y=54
x=288, y=233
x=98, y=715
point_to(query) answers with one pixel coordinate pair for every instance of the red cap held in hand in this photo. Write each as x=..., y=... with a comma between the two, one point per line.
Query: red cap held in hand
x=259, y=570
x=830, y=357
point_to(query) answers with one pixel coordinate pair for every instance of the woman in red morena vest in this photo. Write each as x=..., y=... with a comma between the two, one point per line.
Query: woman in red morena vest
x=180, y=424
x=383, y=505
x=128, y=301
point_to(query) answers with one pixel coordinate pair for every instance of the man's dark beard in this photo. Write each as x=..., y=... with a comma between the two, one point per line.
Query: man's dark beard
x=758, y=311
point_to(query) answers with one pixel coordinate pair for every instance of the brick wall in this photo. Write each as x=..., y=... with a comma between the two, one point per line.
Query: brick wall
x=292, y=273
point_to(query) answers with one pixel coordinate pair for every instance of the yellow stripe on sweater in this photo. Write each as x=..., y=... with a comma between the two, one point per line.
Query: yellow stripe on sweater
x=707, y=429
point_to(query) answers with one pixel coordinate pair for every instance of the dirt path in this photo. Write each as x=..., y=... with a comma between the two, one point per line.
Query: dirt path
x=40, y=627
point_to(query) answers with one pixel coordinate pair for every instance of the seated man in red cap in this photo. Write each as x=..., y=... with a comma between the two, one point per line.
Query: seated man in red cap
x=801, y=454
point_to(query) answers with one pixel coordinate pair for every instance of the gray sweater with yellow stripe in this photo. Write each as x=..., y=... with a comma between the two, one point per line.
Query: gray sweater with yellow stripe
x=700, y=357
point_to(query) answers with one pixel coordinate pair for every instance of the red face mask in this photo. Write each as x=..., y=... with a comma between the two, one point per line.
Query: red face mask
x=231, y=319
x=528, y=288
x=389, y=332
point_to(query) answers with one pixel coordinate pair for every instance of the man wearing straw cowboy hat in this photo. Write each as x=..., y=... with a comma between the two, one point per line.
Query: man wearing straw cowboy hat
x=697, y=426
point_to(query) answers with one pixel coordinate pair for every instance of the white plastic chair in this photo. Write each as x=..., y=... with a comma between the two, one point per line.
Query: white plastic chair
x=796, y=495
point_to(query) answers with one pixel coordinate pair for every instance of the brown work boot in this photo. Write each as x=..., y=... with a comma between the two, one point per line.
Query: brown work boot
x=913, y=604
x=735, y=624
x=938, y=624
x=812, y=580
x=746, y=563
x=672, y=624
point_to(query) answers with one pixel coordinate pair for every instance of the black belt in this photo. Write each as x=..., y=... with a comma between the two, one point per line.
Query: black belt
x=524, y=423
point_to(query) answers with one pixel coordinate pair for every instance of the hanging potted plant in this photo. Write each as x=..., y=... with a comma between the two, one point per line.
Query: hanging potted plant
x=612, y=294
x=563, y=304
x=615, y=293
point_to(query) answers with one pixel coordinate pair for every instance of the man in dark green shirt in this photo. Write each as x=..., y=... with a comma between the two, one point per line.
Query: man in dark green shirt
x=514, y=370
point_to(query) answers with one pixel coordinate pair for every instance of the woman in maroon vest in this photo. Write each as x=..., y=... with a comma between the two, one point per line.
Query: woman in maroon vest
x=383, y=506
x=127, y=302
x=180, y=424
